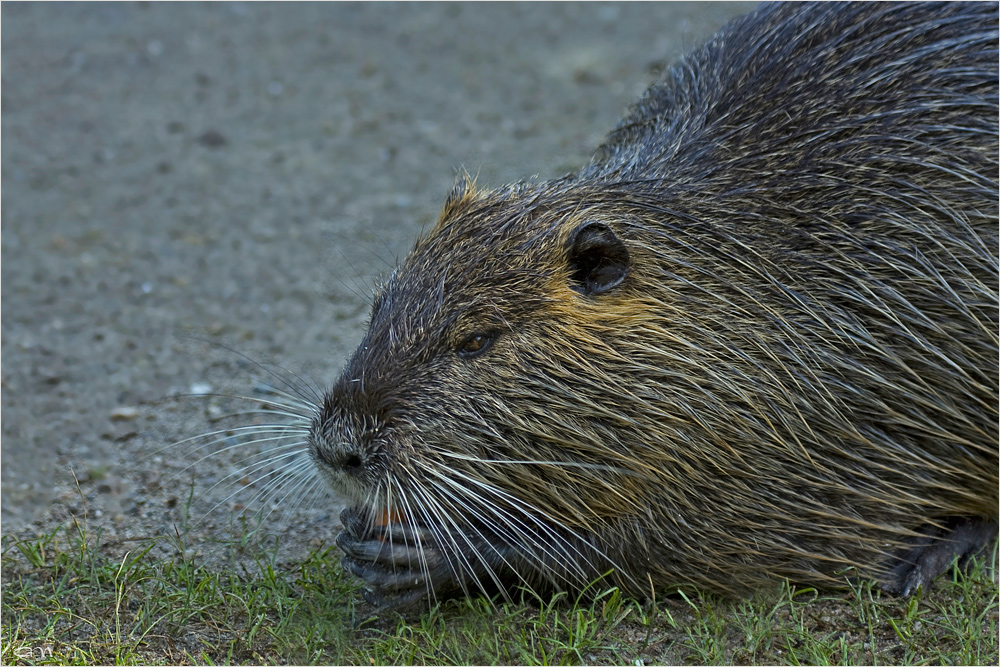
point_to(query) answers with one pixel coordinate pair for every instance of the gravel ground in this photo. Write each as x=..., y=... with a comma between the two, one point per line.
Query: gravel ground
x=179, y=179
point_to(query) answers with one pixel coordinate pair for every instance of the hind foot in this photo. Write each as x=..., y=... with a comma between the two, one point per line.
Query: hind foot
x=955, y=538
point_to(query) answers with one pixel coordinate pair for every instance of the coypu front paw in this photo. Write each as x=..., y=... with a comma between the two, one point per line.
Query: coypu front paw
x=396, y=561
x=401, y=564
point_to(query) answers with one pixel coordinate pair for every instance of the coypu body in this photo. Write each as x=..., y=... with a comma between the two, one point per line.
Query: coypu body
x=755, y=338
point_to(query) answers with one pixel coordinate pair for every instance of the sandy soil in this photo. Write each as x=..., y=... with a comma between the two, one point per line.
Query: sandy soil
x=178, y=178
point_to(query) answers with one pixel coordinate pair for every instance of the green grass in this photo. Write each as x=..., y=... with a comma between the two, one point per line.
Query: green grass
x=69, y=598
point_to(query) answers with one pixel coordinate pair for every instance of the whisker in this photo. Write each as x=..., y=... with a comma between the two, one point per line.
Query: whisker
x=250, y=443
x=297, y=474
x=441, y=513
x=296, y=389
x=516, y=529
x=254, y=468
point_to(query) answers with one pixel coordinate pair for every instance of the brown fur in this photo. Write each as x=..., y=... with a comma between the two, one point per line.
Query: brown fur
x=755, y=338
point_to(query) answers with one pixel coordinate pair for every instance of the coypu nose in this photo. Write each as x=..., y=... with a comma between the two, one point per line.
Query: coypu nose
x=350, y=463
x=343, y=461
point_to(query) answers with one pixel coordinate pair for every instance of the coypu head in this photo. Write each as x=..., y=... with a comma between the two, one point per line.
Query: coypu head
x=466, y=410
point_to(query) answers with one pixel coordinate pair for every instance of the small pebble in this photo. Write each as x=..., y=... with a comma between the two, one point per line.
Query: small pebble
x=213, y=139
x=121, y=414
x=201, y=388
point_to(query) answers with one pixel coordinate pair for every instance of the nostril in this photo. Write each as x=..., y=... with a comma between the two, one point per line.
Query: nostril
x=351, y=463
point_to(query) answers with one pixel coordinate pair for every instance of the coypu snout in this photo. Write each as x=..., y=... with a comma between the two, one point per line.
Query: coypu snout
x=755, y=339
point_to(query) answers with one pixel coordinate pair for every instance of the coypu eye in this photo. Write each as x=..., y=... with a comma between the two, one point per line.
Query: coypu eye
x=476, y=343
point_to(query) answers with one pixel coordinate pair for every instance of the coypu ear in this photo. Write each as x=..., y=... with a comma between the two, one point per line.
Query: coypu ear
x=598, y=259
x=459, y=191
x=464, y=191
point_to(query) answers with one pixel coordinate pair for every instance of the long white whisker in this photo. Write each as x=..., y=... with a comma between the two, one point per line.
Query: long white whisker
x=229, y=432
x=404, y=504
x=243, y=471
x=460, y=530
x=514, y=526
x=249, y=443
x=297, y=474
x=296, y=389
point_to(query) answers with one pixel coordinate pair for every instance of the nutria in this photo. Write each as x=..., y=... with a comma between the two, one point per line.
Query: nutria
x=754, y=339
